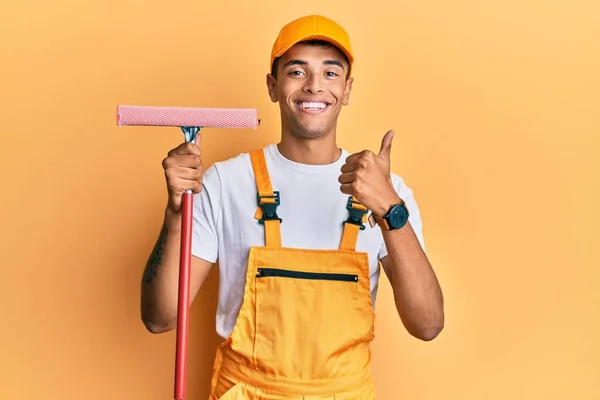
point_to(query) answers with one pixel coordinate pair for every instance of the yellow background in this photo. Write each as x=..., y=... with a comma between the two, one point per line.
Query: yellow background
x=496, y=109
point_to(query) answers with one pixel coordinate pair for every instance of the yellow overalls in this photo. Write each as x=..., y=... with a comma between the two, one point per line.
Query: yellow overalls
x=306, y=321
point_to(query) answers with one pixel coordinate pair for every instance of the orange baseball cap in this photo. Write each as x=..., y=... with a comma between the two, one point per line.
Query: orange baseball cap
x=312, y=27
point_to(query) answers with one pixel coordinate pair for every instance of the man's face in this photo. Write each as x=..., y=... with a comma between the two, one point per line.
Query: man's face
x=311, y=88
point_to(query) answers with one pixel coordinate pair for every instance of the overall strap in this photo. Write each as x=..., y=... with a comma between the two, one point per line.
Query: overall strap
x=267, y=200
x=354, y=224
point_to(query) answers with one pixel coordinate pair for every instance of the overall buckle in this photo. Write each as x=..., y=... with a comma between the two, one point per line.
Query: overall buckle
x=356, y=215
x=269, y=210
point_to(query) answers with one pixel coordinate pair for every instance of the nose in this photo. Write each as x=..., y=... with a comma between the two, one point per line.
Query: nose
x=313, y=84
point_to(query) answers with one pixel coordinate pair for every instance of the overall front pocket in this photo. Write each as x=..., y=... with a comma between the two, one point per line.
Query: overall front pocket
x=307, y=323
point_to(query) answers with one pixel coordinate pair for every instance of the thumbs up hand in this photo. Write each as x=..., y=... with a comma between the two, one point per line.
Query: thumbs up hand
x=366, y=176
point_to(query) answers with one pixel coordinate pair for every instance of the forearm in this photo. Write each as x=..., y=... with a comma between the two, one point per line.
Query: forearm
x=161, y=276
x=417, y=293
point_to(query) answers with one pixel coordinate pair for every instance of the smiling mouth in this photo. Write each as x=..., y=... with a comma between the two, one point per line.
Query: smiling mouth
x=312, y=106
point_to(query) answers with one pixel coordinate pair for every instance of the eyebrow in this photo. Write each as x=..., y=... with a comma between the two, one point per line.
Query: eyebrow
x=326, y=62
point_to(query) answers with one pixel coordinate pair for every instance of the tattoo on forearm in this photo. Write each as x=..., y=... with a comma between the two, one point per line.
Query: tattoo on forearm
x=155, y=257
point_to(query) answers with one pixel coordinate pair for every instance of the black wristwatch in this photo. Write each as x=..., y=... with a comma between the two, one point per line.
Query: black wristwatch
x=396, y=217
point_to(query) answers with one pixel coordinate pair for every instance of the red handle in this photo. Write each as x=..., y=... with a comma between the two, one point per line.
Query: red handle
x=184, y=297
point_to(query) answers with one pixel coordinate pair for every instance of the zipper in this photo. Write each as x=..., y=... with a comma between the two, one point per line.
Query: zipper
x=267, y=272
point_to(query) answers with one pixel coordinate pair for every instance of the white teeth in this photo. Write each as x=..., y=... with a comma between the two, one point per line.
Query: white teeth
x=312, y=105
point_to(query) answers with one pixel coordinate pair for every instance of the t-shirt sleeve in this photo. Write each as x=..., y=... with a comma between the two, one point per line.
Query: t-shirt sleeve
x=414, y=217
x=207, y=207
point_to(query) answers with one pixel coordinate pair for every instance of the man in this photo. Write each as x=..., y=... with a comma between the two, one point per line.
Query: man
x=299, y=260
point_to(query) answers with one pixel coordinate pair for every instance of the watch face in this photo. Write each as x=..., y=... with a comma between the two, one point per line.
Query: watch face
x=398, y=216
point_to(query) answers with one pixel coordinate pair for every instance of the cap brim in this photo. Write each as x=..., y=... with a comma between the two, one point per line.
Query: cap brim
x=316, y=37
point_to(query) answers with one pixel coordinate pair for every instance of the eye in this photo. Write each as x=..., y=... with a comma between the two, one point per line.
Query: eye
x=295, y=73
x=331, y=74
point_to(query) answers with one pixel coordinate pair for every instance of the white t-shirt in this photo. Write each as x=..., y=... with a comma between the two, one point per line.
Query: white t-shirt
x=312, y=208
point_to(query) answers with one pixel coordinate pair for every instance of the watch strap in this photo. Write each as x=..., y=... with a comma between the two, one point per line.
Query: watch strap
x=382, y=222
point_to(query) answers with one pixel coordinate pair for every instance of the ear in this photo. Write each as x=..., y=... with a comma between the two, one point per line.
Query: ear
x=271, y=86
x=347, y=90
